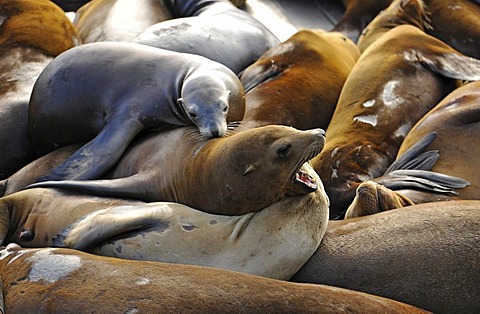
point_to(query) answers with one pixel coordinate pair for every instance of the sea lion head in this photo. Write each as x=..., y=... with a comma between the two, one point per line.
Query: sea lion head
x=372, y=198
x=207, y=98
x=260, y=166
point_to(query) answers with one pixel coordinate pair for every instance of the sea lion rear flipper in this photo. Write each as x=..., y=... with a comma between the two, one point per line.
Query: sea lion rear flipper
x=96, y=157
x=423, y=180
x=104, y=224
x=129, y=187
x=413, y=157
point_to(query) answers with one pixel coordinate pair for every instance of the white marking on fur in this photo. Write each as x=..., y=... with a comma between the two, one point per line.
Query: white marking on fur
x=370, y=119
x=369, y=103
x=142, y=281
x=389, y=97
x=52, y=267
x=403, y=130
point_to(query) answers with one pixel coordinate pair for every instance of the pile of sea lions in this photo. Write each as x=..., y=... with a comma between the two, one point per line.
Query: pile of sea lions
x=177, y=156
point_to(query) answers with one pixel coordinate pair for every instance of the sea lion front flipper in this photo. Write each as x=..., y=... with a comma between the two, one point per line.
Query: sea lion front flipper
x=256, y=74
x=129, y=187
x=448, y=62
x=96, y=157
x=104, y=224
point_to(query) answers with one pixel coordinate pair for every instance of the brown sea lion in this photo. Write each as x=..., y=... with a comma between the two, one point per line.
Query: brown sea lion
x=274, y=242
x=425, y=255
x=32, y=33
x=297, y=82
x=399, y=12
x=215, y=29
x=372, y=198
x=42, y=281
x=456, y=122
x=215, y=175
x=378, y=105
x=456, y=22
x=118, y=20
x=69, y=103
x=357, y=15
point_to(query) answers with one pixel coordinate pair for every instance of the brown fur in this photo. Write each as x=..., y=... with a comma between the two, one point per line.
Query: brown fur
x=380, y=103
x=357, y=15
x=456, y=121
x=425, y=255
x=456, y=22
x=32, y=33
x=297, y=83
x=212, y=175
x=81, y=282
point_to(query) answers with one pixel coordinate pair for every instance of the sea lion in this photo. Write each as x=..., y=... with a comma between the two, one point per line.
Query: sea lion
x=75, y=99
x=215, y=29
x=425, y=255
x=456, y=22
x=214, y=175
x=456, y=123
x=116, y=20
x=42, y=281
x=357, y=15
x=274, y=242
x=372, y=198
x=378, y=105
x=399, y=12
x=297, y=82
x=32, y=33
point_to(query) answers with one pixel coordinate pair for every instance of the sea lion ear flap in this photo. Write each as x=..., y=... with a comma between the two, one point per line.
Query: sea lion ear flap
x=180, y=101
x=249, y=169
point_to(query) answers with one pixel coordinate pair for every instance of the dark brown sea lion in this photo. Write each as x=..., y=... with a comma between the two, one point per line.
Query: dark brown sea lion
x=456, y=122
x=32, y=33
x=425, y=255
x=378, y=105
x=215, y=29
x=42, y=281
x=217, y=175
x=118, y=20
x=456, y=22
x=88, y=94
x=399, y=12
x=297, y=82
x=274, y=242
x=357, y=15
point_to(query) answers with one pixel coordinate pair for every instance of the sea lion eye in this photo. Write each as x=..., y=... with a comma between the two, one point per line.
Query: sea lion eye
x=284, y=150
x=225, y=109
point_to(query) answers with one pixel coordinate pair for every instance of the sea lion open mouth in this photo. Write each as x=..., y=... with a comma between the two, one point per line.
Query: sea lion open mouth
x=303, y=183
